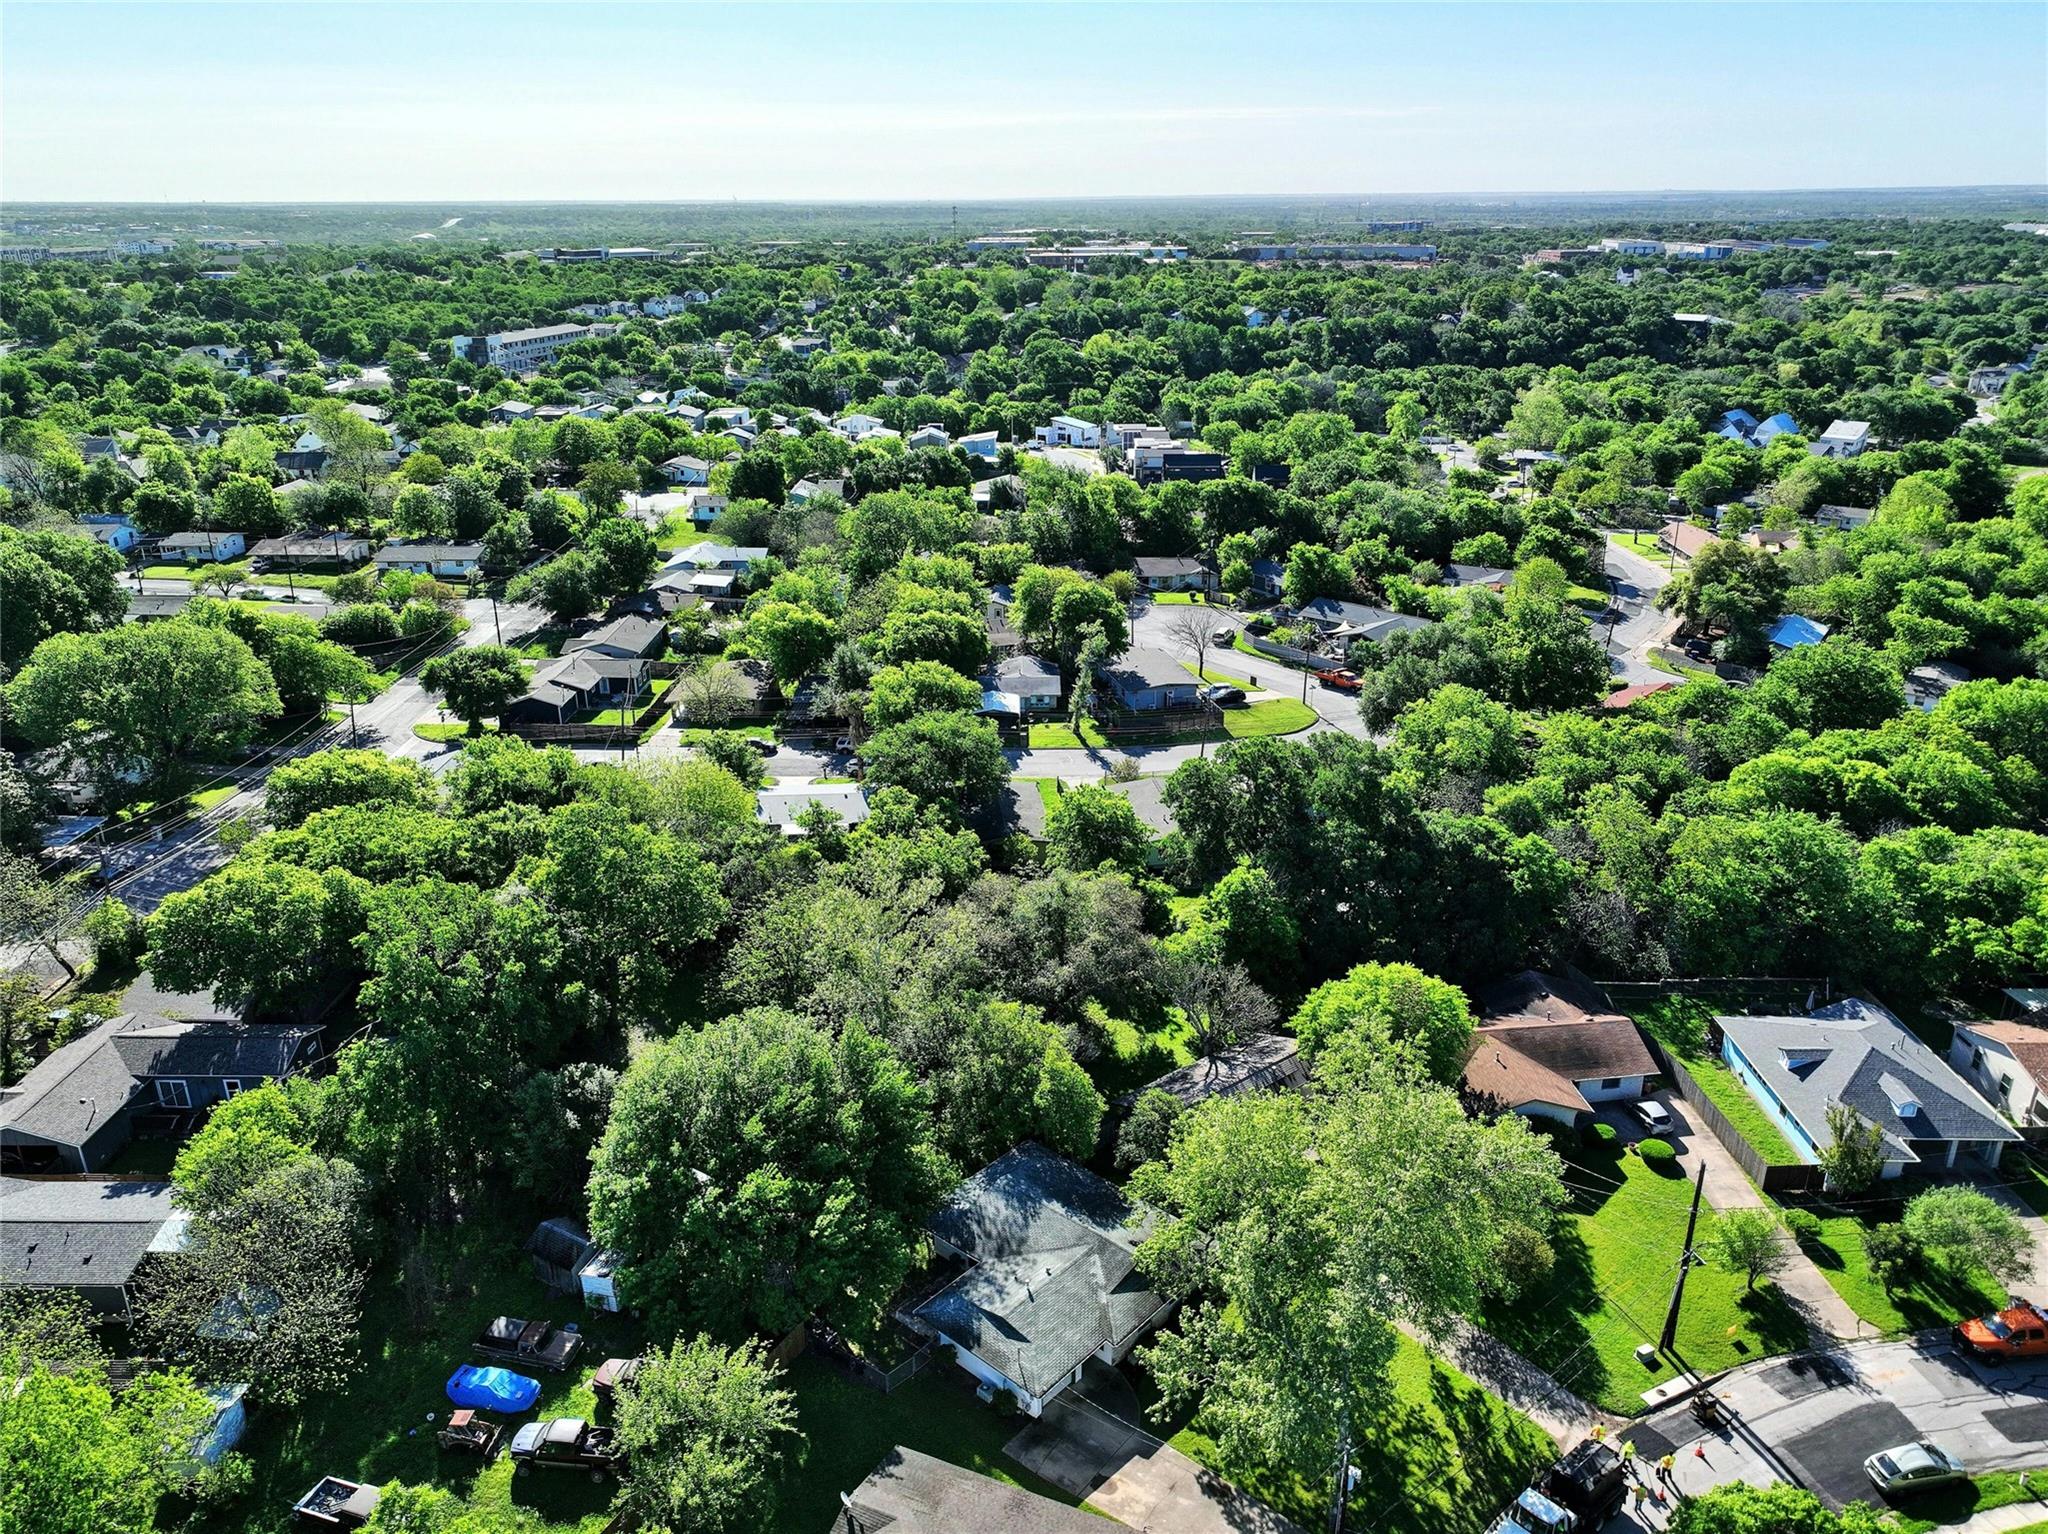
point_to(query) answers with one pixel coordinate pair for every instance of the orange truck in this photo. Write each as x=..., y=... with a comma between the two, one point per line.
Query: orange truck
x=2018, y=1331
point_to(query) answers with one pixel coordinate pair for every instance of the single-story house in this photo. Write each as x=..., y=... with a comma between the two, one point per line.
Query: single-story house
x=856, y=426
x=1629, y=697
x=88, y=1237
x=1795, y=630
x=1775, y=540
x=1491, y=577
x=1844, y=519
x=714, y=556
x=119, y=536
x=928, y=435
x=1050, y=1280
x=1149, y=680
x=783, y=806
x=1005, y=492
x=1263, y=1062
x=78, y=1105
x=981, y=444
x=1033, y=682
x=807, y=489
x=682, y=470
x=1269, y=577
x=1170, y=573
x=198, y=548
x=1688, y=540
x=423, y=556
x=1842, y=439
x=1148, y=802
x=913, y=1493
x=156, y=606
x=312, y=548
x=1357, y=620
x=625, y=638
x=510, y=410
x=2008, y=1063
x=1069, y=431
x=1556, y=1068
x=569, y=684
x=302, y=462
x=1857, y=1053
x=1927, y=685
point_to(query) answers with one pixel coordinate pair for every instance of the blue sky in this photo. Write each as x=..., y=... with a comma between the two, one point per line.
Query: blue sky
x=301, y=102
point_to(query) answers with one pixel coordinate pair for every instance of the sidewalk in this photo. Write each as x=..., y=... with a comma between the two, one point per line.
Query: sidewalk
x=1537, y=1395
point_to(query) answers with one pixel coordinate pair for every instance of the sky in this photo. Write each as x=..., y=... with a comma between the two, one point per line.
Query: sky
x=673, y=102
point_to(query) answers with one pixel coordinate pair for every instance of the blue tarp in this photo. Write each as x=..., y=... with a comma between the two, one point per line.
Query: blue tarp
x=497, y=1390
x=1796, y=629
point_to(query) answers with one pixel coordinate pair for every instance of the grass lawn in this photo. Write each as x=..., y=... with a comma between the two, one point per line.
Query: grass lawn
x=443, y=733
x=145, y=1158
x=1180, y=599
x=1935, y=1295
x=1617, y=1250
x=1443, y=1459
x=1644, y=544
x=1060, y=737
x=1048, y=790
x=2027, y=1171
x=850, y=1428
x=621, y=713
x=1211, y=674
x=1135, y=1052
x=193, y=572
x=1275, y=716
x=693, y=735
x=1586, y=596
x=376, y=1428
x=1980, y=1494
x=1679, y=1024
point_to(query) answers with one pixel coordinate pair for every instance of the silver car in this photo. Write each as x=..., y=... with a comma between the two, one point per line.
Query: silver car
x=1653, y=1116
x=1913, y=1467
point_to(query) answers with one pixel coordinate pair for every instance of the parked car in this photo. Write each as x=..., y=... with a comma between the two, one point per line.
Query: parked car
x=843, y=744
x=761, y=745
x=1913, y=1467
x=566, y=1443
x=2018, y=1331
x=1699, y=649
x=336, y=1504
x=611, y=1375
x=1653, y=1116
x=1223, y=695
x=1341, y=681
x=540, y=1344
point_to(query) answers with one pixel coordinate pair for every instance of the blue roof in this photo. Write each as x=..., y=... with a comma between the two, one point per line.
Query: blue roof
x=1782, y=421
x=1796, y=629
x=1738, y=417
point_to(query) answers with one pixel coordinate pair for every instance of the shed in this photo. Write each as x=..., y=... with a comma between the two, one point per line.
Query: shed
x=559, y=1249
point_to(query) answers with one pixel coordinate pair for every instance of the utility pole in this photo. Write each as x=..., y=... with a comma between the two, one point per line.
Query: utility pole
x=1685, y=1261
x=1343, y=1473
x=498, y=627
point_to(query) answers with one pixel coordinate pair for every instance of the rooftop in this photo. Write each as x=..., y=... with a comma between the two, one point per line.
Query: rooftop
x=912, y=1493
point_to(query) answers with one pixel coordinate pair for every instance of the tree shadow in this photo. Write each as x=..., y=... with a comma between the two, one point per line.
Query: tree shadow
x=1778, y=1323
x=1545, y=1322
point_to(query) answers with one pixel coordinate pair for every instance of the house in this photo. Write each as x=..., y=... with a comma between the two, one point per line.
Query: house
x=855, y=427
x=1492, y=577
x=806, y=490
x=423, y=556
x=1170, y=573
x=1773, y=427
x=1844, y=519
x=1269, y=577
x=703, y=506
x=119, y=536
x=714, y=556
x=88, y=1237
x=1033, y=682
x=156, y=606
x=522, y=351
x=198, y=548
x=1736, y=425
x=79, y=1104
x=628, y=638
x=1794, y=631
x=1149, y=680
x=1927, y=685
x=1050, y=1280
x=508, y=411
x=1176, y=461
x=913, y=1493
x=1773, y=539
x=1147, y=798
x=686, y=471
x=573, y=684
x=1629, y=697
x=297, y=463
x=1741, y=426
x=1856, y=1053
x=1842, y=439
x=930, y=435
x=1556, y=1068
x=1263, y=1062
x=311, y=547
x=981, y=444
x=1339, y=620
x=1068, y=431
x=1687, y=540
x=2008, y=1063
x=784, y=806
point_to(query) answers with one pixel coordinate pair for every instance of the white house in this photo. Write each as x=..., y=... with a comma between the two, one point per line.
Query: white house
x=1842, y=439
x=981, y=444
x=425, y=556
x=2008, y=1063
x=714, y=556
x=201, y=548
x=784, y=807
x=929, y=436
x=687, y=472
x=508, y=411
x=1069, y=431
x=854, y=427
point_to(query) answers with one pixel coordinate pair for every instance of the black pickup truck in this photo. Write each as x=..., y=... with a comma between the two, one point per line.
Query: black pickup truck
x=539, y=1344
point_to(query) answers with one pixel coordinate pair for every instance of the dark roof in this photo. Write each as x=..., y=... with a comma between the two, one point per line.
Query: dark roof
x=1534, y=994
x=1264, y=1060
x=308, y=542
x=162, y=1047
x=1052, y=1277
x=79, y=1234
x=634, y=635
x=407, y=549
x=302, y=460
x=1578, y=1049
x=1144, y=669
x=1148, y=799
x=1158, y=566
x=1476, y=575
x=912, y=1493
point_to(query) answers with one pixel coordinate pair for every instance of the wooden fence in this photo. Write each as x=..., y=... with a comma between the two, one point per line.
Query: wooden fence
x=1798, y=1178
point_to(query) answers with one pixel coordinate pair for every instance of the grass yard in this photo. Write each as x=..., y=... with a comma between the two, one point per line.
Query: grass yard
x=1936, y=1510
x=377, y=1428
x=1644, y=544
x=1135, y=1052
x=2027, y=1171
x=1048, y=790
x=621, y=713
x=1180, y=599
x=1617, y=1250
x=1275, y=716
x=1679, y=1024
x=192, y=572
x=693, y=735
x=850, y=1428
x=1060, y=737
x=1443, y=1459
x=442, y=734
x=1935, y=1295
x=1211, y=674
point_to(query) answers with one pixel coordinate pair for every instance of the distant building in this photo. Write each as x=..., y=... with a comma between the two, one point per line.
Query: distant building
x=1842, y=439
x=200, y=548
x=785, y=807
x=519, y=351
x=424, y=556
x=1069, y=431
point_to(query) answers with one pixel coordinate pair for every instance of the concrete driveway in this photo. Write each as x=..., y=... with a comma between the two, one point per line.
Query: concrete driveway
x=1090, y=1450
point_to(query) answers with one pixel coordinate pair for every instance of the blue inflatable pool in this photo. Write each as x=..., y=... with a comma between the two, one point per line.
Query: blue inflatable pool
x=498, y=1390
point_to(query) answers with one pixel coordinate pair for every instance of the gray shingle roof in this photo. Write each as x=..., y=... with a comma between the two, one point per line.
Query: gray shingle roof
x=79, y=1234
x=161, y=1047
x=635, y=635
x=1857, y=1053
x=912, y=1493
x=1264, y=1060
x=1146, y=668
x=1053, y=1278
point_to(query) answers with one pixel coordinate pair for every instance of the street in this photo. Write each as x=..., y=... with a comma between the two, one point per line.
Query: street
x=1634, y=583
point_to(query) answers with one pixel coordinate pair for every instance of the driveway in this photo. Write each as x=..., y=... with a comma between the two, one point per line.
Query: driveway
x=1092, y=1450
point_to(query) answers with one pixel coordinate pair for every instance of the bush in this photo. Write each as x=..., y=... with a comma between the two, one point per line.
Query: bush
x=1602, y=1136
x=1892, y=1252
x=1804, y=1225
x=1146, y=1132
x=115, y=933
x=734, y=754
x=1659, y=1155
x=1522, y=1258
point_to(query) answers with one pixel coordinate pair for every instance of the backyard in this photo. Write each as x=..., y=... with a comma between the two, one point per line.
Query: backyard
x=1679, y=1023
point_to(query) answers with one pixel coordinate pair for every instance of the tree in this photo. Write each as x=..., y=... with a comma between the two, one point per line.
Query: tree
x=419, y=512
x=759, y=1171
x=566, y=588
x=1221, y=1002
x=1967, y=1228
x=1194, y=629
x=900, y=693
x=326, y=780
x=625, y=554
x=81, y=1460
x=711, y=695
x=1853, y=1158
x=257, y=933
x=54, y=583
x=957, y=639
x=948, y=760
x=355, y=447
x=37, y=913
x=702, y=1427
x=1750, y=1242
x=1394, y=1005
x=793, y=639
x=1007, y=1075
x=1148, y=1129
x=143, y=695
x=269, y=1289
x=245, y=1139
x=475, y=681
x=757, y=476
x=1091, y=825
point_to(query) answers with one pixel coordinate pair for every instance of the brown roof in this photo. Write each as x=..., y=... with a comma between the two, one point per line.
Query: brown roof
x=1689, y=538
x=2027, y=1042
x=1625, y=697
x=1576, y=1049
x=1496, y=1070
x=1534, y=994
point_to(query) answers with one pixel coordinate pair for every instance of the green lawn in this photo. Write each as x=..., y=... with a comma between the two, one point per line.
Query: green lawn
x=1135, y=1052
x=1644, y=544
x=193, y=572
x=1211, y=674
x=1048, y=790
x=380, y=1427
x=1443, y=1459
x=1180, y=599
x=622, y=713
x=1275, y=716
x=1679, y=1024
x=850, y=1427
x=1060, y=737
x=1617, y=1249
x=692, y=735
x=1952, y=1505
x=2027, y=1171
x=144, y=1158
x=1934, y=1296
x=453, y=730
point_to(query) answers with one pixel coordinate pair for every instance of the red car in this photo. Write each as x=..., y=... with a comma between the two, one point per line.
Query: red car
x=1342, y=681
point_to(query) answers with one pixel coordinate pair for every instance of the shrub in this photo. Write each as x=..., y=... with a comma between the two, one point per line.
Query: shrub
x=1148, y=1129
x=1522, y=1258
x=1892, y=1253
x=1658, y=1154
x=1804, y=1225
x=115, y=933
x=1602, y=1136
x=732, y=752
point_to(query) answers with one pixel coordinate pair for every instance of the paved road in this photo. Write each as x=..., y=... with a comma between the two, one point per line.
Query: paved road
x=1635, y=582
x=1153, y=628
